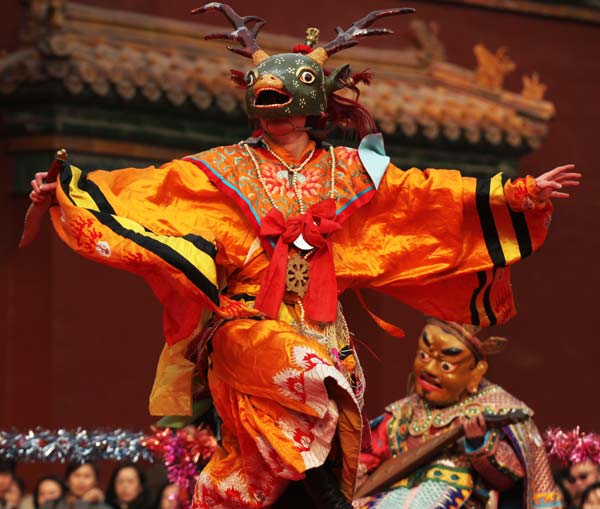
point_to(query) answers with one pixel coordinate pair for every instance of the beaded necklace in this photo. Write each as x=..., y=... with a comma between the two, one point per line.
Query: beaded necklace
x=442, y=417
x=297, y=267
x=293, y=171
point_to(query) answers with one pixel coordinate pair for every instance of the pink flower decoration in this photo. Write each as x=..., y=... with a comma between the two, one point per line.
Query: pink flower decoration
x=184, y=452
x=572, y=446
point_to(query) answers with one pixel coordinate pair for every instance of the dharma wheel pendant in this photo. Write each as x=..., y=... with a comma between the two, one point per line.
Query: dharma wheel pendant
x=296, y=280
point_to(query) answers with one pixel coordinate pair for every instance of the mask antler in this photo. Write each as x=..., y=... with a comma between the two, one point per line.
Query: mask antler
x=348, y=38
x=243, y=34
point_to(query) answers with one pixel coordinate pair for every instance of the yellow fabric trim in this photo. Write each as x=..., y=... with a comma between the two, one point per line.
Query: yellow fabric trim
x=201, y=260
x=452, y=477
x=548, y=499
x=503, y=221
x=393, y=432
x=79, y=196
x=464, y=480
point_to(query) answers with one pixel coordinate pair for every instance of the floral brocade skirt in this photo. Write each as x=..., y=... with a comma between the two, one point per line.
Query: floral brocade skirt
x=283, y=404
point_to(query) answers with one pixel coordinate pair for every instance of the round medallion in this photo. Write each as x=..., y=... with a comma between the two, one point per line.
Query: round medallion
x=296, y=280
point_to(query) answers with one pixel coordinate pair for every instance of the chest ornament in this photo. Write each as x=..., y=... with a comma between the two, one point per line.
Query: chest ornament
x=319, y=291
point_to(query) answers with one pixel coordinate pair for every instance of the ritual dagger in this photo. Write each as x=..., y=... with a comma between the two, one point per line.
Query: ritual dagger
x=36, y=211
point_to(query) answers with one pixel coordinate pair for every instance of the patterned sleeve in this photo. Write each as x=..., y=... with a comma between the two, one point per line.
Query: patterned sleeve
x=496, y=461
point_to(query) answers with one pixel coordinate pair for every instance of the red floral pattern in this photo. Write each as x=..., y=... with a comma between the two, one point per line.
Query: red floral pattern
x=211, y=497
x=232, y=165
x=303, y=439
x=86, y=236
x=295, y=385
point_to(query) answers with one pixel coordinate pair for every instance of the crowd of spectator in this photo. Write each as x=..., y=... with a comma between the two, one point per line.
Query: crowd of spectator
x=79, y=489
x=128, y=489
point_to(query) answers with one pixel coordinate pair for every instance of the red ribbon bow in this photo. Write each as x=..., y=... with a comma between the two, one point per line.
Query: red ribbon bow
x=320, y=300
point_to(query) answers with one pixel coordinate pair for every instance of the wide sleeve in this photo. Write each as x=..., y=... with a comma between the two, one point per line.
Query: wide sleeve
x=163, y=224
x=113, y=218
x=495, y=460
x=171, y=226
x=442, y=243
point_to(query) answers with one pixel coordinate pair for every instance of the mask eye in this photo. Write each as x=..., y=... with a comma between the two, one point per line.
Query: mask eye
x=447, y=367
x=250, y=78
x=423, y=355
x=307, y=77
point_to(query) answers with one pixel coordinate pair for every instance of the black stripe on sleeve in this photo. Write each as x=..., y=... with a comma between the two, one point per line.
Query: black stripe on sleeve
x=490, y=233
x=522, y=233
x=66, y=175
x=94, y=191
x=202, y=244
x=474, y=313
x=521, y=230
x=487, y=304
x=166, y=253
x=87, y=186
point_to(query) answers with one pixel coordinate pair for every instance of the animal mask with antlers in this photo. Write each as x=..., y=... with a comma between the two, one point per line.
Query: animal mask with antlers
x=293, y=84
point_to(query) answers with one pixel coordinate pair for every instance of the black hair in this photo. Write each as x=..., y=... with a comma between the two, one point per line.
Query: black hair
x=20, y=483
x=74, y=465
x=159, y=496
x=7, y=466
x=36, y=490
x=587, y=491
x=559, y=478
x=140, y=502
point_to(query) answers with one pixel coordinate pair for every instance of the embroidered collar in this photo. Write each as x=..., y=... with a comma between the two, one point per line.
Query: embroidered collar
x=257, y=141
x=491, y=399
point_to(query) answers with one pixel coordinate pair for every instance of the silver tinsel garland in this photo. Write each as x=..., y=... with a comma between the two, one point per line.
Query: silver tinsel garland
x=80, y=445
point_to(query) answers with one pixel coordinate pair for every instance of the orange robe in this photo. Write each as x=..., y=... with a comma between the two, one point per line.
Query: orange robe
x=433, y=239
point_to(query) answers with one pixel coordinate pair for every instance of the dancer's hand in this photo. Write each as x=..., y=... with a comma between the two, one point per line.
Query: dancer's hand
x=475, y=427
x=42, y=192
x=550, y=183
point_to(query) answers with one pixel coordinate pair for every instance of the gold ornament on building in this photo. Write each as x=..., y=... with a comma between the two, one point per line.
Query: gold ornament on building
x=533, y=88
x=42, y=16
x=492, y=67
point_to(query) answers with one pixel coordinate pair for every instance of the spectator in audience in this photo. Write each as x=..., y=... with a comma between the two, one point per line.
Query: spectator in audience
x=14, y=493
x=127, y=488
x=565, y=483
x=167, y=497
x=48, y=489
x=582, y=475
x=7, y=473
x=82, y=489
x=590, y=499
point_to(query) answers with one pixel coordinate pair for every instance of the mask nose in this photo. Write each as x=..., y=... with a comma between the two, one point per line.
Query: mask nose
x=430, y=370
x=268, y=81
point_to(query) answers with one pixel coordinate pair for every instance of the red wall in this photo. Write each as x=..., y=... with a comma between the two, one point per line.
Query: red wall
x=80, y=341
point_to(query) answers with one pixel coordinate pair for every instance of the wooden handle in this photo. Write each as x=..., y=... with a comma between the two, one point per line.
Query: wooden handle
x=398, y=467
x=395, y=469
x=36, y=211
x=56, y=166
